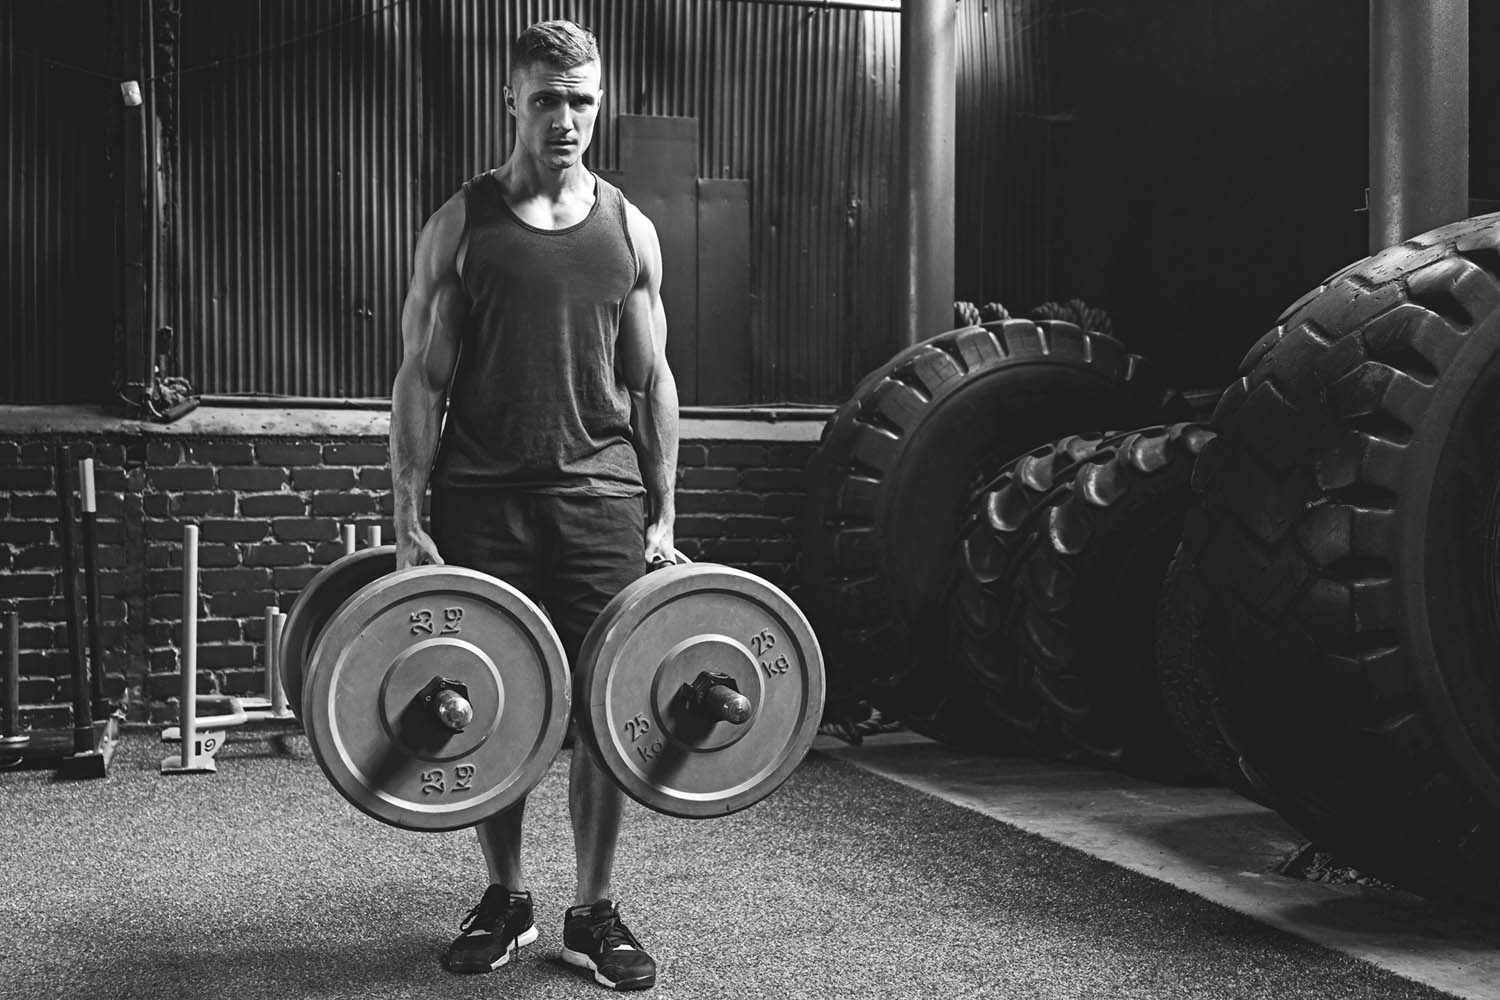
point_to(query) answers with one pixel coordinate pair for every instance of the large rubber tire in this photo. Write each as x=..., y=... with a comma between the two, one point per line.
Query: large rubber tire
x=1088, y=594
x=996, y=537
x=1348, y=552
x=888, y=483
x=1189, y=702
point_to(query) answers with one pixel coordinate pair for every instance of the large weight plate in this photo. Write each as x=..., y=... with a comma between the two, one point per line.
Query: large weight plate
x=658, y=634
x=384, y=749
x=316, y=604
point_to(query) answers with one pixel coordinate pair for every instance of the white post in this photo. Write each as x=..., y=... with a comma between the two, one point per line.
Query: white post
x=372, y=536
x=279, y=706
x=188, y=710
x=349, y=539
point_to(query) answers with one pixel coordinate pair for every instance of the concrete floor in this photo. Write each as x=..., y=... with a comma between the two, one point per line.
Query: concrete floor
x=1207, y=841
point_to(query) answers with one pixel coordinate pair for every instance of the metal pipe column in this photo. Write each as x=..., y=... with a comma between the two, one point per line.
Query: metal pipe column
x=1419, y=117
x=929, y=119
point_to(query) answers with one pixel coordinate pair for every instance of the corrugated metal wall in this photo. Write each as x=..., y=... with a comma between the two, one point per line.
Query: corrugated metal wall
x=313, y=146
x=314, y=139
x=57, y=304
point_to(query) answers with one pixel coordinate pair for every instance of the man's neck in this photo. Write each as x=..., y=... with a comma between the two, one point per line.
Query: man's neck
x=524, y=177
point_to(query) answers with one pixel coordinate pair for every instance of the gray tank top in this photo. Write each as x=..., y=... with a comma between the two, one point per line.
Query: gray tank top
x=536, y=404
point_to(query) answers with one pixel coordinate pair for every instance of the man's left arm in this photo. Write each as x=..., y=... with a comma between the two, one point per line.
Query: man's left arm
x=653, y=391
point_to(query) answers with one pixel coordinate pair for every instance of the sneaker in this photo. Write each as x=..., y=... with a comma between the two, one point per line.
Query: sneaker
x=595, y=938
x=492, y=931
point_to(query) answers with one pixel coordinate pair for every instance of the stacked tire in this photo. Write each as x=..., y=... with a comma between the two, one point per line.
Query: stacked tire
x=1345, y=564
x=902, y=474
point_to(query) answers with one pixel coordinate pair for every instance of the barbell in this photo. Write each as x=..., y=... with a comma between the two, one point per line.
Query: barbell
x=436, y=697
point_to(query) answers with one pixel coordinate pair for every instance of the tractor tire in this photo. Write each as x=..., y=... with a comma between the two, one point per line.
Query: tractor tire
x=888, y=483
x=1347, y=550
x=1088, y=594
x=997, y=536
x=1189, y=702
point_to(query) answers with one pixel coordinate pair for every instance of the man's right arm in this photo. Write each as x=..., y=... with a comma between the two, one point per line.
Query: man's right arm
x=431, y=323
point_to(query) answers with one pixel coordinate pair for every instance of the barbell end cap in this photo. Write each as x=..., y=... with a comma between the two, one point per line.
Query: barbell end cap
x=725, y=704
x=453, y=710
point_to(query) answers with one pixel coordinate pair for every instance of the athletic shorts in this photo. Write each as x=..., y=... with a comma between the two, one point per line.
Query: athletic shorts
x=569, y=554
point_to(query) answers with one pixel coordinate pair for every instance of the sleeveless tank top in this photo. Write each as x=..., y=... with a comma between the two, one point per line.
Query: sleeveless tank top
x=535, y=404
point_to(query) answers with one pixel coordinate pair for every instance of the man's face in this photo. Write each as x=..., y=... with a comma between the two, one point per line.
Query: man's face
x=555, y=111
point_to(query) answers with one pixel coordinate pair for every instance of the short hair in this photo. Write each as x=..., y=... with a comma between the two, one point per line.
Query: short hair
x=559, y=44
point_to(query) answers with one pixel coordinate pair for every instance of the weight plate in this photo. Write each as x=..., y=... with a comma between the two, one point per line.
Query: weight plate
x=661, y=633
x=378, y=737
x=316, y=604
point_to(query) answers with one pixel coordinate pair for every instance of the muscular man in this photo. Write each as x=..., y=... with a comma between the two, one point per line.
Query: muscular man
x=535, y=312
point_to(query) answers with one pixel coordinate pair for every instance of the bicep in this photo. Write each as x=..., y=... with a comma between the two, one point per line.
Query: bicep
x=643, y=327
x=433, y=315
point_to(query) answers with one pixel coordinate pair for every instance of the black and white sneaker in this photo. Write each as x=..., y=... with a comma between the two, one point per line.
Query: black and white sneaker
x=492, y=932
x=595, y=938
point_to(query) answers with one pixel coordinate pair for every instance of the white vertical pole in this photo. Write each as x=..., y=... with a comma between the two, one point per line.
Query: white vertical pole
x=188, y=710
x=372, y=536
x=349, y=539
x=279, y=706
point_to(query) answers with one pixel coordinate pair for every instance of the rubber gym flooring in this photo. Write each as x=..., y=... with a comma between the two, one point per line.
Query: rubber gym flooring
x=260, y=881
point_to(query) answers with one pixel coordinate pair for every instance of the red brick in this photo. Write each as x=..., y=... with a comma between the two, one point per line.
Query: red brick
x=697, y=526
x=38, y=690
x=218, y=656
x=252, y=479
x=181, y=479
x=221, y=452
x=327, y=552
x=293, y=579
x=286, y=453
x=10, y=453
x=692, y=454
x=375, y=479
x=156, y=505
x=219, y=581
x=26, y=478
x=34, y=507
x=689, y=502
x=342, y=504
x=304, y=529
x=284, y=554
x=323, y=479
x=244, y=682
x=784, y=504
x=357, y=454
x=752, y=526
x=774, y=480
x=160, y=453
x=26, y=585
x=236, y=530
x=47, y=557
x=204, y=504
x=708, y=479
x=737, y=454
x=241, y=604
x=273, y=505
x=42, y=453
x=789, y=456
x=45, y=718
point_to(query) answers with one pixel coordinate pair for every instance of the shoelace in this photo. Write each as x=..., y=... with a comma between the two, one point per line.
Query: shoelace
x=611, y=933
x=485, y=919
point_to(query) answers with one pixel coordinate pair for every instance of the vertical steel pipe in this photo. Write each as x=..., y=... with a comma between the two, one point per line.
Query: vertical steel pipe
x=91, y=586
x=188, y=707
x=1419, y=117
x=12, y=719
x=929, y=119
x=372, y=536
x=351, y=539
x=83, y=717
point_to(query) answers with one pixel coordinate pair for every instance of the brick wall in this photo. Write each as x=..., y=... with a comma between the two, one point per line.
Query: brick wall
x=269, y=509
